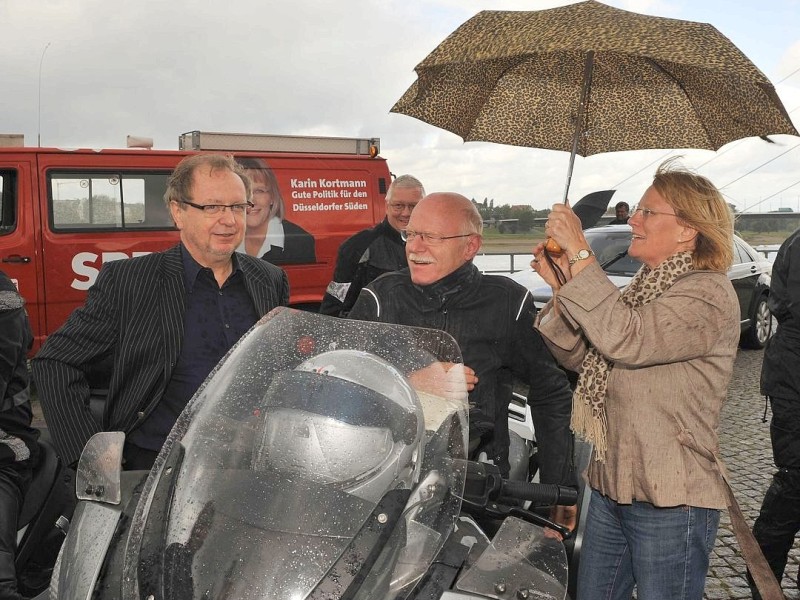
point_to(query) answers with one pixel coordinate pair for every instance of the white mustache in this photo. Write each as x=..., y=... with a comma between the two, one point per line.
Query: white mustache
x=425, y=260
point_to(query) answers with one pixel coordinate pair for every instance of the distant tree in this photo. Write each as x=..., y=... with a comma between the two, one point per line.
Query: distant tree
x=503, y=212
x=525, y=216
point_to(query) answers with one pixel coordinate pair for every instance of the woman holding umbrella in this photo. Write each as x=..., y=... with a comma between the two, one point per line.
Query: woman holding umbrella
x=654, y=363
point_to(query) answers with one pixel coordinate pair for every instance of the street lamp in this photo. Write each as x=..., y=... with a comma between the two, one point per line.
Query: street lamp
x=39, y=125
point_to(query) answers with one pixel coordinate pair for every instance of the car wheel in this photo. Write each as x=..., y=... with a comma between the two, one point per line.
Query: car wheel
x=760, y=328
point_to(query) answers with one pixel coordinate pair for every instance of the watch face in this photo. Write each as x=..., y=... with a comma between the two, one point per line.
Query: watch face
x=583, y=254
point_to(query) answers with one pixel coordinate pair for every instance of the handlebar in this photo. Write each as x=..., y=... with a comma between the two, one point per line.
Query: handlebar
x=540, y=494
x=484, y=484
x=486, y=493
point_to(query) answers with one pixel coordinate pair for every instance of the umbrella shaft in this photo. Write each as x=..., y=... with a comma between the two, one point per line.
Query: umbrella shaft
x=584, y=102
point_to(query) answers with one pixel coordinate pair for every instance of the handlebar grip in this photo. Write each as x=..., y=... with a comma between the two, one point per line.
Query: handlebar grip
x=541, y=494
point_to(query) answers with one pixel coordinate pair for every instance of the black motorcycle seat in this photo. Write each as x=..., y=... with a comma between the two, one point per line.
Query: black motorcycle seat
x=44, y=475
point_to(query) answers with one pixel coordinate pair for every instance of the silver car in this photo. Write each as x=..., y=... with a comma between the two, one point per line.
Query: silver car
x=750, y=275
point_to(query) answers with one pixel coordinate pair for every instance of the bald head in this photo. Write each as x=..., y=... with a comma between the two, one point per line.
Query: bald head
x=458, y=208
x=454, y=226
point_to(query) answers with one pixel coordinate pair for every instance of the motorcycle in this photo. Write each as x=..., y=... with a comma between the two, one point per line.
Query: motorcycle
x=322, y=458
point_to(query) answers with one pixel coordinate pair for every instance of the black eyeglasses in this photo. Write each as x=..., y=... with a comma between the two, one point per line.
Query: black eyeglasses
x=429, y=238
x=211, y=210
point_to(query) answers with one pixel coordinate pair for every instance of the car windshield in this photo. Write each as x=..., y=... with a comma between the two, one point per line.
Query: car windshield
x=611, y=248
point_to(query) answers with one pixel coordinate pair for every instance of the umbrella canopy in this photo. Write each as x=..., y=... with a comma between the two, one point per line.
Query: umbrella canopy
x=589, y=78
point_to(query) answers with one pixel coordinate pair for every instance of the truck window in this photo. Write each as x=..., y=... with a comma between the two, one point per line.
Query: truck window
x=8, y=202
x=108, y=201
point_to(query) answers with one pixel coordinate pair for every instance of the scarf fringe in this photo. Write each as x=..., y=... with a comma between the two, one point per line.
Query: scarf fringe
x=590, y=426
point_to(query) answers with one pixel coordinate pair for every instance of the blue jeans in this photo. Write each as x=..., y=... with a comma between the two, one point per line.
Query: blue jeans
x=662, y=551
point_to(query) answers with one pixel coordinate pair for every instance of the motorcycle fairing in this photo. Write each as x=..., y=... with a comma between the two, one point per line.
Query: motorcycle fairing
x=521, y=561
x=248, y=517
x=94, y=524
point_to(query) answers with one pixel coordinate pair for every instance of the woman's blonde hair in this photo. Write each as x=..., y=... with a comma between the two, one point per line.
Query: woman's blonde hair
x=698, y=203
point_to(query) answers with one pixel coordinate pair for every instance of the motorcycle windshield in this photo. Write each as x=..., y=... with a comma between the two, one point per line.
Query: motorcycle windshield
x=322, y=458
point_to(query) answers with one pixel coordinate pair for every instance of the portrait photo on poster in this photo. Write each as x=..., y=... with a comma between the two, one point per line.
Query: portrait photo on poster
x=268, y=234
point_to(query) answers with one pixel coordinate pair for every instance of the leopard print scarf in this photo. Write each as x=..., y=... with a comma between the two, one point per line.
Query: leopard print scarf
x=588, y=401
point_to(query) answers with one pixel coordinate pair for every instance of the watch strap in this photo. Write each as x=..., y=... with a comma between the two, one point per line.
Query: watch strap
x=582, y=254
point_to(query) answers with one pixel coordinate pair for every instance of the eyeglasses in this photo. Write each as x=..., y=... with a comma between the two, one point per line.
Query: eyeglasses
x=646, y=212
x=211, y=210
x=399, y=207
x=429, y=238
x=258, y=191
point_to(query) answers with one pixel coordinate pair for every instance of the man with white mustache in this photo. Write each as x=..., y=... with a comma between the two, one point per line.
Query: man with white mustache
x=491, y=318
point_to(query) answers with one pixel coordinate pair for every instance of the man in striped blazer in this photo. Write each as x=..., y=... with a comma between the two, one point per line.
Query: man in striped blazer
x=162, y=320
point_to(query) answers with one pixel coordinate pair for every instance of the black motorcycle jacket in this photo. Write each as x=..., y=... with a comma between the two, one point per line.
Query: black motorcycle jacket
x=362, y=258
x=780, y=371
x=491, y=318
x=18, y=440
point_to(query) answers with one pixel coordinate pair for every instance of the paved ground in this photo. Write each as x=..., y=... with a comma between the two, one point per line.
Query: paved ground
x=745, y=445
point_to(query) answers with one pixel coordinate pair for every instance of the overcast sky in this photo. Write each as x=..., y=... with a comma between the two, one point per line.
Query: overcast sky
x=159, y=68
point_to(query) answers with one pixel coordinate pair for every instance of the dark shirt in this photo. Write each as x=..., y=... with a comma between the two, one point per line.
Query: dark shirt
x=216, y=318
x=619, y=221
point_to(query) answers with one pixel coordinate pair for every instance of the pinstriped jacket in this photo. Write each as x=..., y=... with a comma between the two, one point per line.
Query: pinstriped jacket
x=134, y=315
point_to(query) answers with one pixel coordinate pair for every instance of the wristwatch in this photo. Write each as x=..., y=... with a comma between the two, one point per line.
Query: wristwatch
x=582, y=254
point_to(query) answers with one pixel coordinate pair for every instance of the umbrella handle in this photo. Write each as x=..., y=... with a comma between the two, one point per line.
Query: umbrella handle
x=552, y=247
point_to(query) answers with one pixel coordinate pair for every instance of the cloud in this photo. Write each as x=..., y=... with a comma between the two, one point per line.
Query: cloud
x=158, y=69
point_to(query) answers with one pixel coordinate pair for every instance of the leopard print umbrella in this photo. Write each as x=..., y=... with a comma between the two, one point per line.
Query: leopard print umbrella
x=517, y=78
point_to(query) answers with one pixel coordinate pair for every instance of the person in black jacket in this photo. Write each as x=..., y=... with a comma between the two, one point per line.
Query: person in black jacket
x=18, y=440
x=372, y=252
x=778, y=522
x=621, y=211
x=491, y=318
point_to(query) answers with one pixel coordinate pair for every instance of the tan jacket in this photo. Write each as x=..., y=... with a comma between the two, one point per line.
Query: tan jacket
x=673, y=360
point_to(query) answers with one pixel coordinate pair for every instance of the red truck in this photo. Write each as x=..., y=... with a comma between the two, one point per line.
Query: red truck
x=63, y=213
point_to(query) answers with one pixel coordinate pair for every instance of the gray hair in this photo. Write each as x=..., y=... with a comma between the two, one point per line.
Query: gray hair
x=405, y=182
